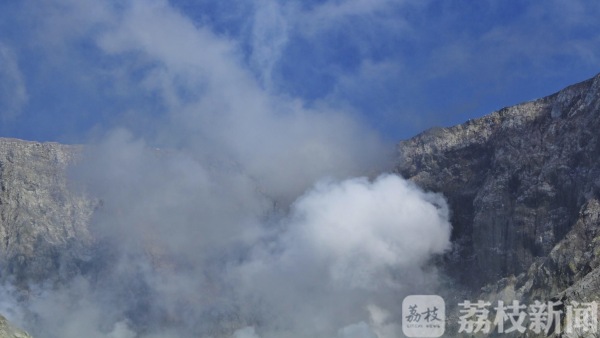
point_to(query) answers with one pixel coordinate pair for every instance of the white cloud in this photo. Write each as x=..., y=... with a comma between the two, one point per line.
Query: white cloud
x=269, y=38
x=211, y=96
x=225, y=229
x=346, y=246
x=366, y=229
x=13, y=91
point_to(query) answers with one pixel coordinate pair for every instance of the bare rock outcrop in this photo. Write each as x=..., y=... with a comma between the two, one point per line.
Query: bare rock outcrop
x=516, y=180
x=43, y=223
x=9, y=331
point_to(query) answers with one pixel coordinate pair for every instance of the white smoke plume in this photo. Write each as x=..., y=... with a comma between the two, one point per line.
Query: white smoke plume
x=13, y=92
x=232, y=211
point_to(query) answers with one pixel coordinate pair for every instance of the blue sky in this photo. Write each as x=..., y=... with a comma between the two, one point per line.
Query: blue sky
x=70, y=70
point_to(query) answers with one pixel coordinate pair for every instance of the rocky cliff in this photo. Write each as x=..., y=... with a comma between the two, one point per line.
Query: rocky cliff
x=8, y=331
x=517, y=180
x=43, y=223
x=524, y=187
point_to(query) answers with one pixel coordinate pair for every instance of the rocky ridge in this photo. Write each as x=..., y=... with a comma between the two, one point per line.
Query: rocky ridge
x=516, y=180
x=524, y=187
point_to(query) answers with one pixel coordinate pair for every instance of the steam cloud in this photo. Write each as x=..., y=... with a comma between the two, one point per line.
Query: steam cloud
x=13, y=94
x=256, y=216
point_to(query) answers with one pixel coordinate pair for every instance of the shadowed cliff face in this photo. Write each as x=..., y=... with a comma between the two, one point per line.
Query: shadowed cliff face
x=516, y=180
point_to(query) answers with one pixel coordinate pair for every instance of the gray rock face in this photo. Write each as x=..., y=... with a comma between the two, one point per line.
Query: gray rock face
x=570, y=273
x=42, y=221
x=8, y=331
x=517, y=180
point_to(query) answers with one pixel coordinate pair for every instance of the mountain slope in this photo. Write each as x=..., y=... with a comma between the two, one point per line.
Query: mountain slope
x=42, y=221
x=518, y=180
